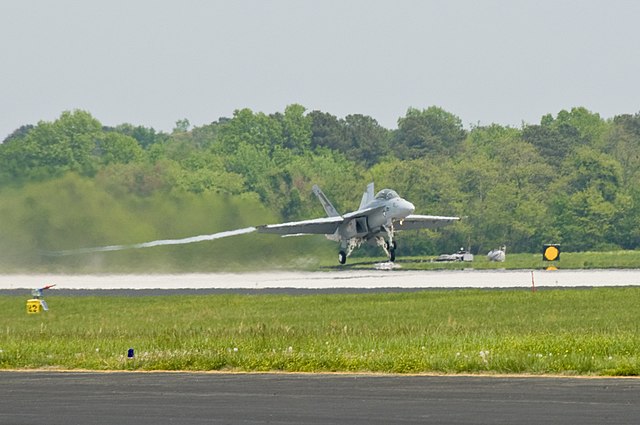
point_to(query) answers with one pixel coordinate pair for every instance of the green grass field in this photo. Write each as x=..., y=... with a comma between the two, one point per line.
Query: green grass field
x=568, y=332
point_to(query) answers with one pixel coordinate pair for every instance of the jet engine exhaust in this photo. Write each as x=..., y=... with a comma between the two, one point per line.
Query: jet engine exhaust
x=192, y=239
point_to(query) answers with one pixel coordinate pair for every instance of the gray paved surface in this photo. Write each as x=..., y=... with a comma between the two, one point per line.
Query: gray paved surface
x=178, y=398
x=360, y=279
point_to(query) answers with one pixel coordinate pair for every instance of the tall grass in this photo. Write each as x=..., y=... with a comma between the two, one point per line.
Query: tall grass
x=587, y=332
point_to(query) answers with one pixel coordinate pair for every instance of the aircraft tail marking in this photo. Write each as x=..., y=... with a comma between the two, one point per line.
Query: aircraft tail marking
x=326, y=204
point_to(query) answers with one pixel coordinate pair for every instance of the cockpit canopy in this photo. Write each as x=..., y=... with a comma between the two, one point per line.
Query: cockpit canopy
x=387, y=194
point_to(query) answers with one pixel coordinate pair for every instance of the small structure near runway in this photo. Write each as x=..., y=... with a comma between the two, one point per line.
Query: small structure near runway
x=37, y=304
x=551, y=252
x=461, y=255
x=498, y=255
x=551, y=256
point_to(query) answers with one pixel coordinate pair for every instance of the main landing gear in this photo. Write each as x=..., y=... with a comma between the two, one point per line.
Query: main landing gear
x=348, y=245
x=392, y=251
x=389, y=248
x=391, y=245
x=388, y=245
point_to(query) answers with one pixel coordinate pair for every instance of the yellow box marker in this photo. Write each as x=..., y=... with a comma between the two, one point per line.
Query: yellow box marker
x=34, y=306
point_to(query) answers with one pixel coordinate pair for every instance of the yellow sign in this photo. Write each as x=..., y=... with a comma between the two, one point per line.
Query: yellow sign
x=34, y=306
x=551, y=252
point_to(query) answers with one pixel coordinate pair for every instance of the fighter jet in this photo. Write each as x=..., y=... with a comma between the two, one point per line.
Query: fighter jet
x=375, y=222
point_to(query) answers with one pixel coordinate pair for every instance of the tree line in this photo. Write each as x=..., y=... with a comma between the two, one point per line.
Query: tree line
x=571, y=179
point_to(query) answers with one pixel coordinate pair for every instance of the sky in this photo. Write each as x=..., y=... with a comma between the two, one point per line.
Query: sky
x=153, y=63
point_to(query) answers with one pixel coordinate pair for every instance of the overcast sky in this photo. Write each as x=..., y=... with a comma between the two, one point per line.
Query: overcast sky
x=152, y=63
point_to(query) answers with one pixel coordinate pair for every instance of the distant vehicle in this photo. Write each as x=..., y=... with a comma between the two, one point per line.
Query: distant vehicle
x=375, y=221
x=497, y=254
x=461, y=255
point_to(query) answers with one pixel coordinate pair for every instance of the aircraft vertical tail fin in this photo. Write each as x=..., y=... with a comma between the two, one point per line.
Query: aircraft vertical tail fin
x=367, y=196
x=326, y=204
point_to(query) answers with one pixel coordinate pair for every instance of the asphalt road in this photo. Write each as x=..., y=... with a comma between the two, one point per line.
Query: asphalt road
x=53, y=398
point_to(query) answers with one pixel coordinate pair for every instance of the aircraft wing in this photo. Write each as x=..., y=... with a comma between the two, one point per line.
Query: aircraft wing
x=414, y=221
x=318, y=226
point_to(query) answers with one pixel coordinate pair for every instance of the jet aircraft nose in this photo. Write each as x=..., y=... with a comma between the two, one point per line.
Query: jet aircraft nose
x=405, y=207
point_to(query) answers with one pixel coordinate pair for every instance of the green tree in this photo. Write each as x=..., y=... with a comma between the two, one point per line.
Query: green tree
x=247, y=128
x=432, y=131
x=554, y=143
x=18, y=133
x=257, y=168
x=492, y=139
x=182, y=126
x=623, y=143
x=626, y=231
x=368, y=142
x=51, y=149
x=327, y=132
x=204, y=137
x=141, y=179
x=118, y=148
x=359, y=137
x=557, y=138
x=146, y=137
x=587, y=211
x=296, y=128
x=205, y=172
x=506, y=185
x=593, y=169
x=590, y=126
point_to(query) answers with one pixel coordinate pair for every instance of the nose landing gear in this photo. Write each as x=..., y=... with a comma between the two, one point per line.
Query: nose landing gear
x=342, y=257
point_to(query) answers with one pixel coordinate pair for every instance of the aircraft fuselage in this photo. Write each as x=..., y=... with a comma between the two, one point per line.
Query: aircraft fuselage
x=376, y=216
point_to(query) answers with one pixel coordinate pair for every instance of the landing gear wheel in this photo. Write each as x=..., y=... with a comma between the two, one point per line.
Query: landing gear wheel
x=342, y=257
x=392, y=255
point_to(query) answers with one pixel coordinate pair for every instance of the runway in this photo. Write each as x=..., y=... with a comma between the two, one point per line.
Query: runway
x=161, y=398
x=357, y=279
